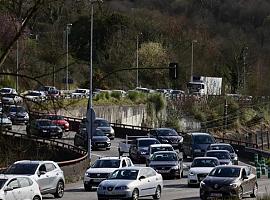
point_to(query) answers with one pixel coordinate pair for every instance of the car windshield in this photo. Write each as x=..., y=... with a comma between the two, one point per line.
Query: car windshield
x=155, y=149
x=9, y=95
x=17, y=109
x=204, y=163
x=2, y=182
x=106, y=164
x=45, y=123
x=34, y=94
x=55, y=117
x=223, y=147
x=21, y=168
x=147, y=143
x=80, y=91
x=99, y=133
x=5, y=90
x=218, y=155
x=102, y=123
x=225, y=172
x=167, y=133
x=164, y=157
x=203, y=139
x=127, y=174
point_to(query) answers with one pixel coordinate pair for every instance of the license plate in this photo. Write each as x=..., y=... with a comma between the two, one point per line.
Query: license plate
x=216, y=194
x=100, y=145
x=162, y=171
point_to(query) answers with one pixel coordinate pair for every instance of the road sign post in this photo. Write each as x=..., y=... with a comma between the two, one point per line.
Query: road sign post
x=90, y=116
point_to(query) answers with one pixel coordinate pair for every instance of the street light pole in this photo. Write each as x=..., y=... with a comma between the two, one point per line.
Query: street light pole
x=137, y=61
x=17, y=65
x=67, y=33
x=192, y=59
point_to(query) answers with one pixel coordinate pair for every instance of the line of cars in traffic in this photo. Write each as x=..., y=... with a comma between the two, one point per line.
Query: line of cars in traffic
x=214, y=168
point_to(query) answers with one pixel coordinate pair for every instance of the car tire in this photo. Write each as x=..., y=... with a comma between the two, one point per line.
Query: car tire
x=135, y=194
x=59, y=189
x=240, y=193
x=254, y=191
x=108, y=148
x=157, y=193
x=87, y=188
x=37, y=198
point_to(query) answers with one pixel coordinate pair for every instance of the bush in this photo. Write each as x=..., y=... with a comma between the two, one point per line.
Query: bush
x=116, y=95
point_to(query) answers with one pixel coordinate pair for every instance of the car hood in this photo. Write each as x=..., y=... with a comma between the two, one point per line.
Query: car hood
x=165, y=163
x=100, y=138
x=224, y=181
x=104, y=128
x=171, y=138
x=224, y=161
x=59, y=121
x=201, y=170
x=116, y=182
x=18, y=113
x=101, y=170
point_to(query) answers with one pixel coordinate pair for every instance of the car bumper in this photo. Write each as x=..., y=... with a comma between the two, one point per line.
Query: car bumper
x=195, y=179
x=218, y=193
x=98, y=145
x=124, y=194
x=93, y=181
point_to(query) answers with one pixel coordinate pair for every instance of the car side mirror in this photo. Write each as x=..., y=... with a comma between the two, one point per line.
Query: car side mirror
x=141, y=178
x=245, y=177
x=8, y=188
x=41, y=173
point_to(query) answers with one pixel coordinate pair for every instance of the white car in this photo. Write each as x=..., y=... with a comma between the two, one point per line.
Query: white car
x=33, y=95
x=80, y=93
x=7, y=90
x=11, y=99
x=48, y=175
x=14, y=187
x=131, y=183
x=200, y=168
x=102, y=168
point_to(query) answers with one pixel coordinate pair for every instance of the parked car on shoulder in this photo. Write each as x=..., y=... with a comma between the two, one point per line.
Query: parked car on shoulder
x=200, y=168
x=167, y=136
x=48, y=175
x=228, y=147
x=43, y=128
x=18, y=114
x=139, y=148
x=223, y=156
x=131, y=183
x=102, y=168
x=229, y=182
x=14, y=187
x=167, y=163
x=196, y=144
x=58, y=120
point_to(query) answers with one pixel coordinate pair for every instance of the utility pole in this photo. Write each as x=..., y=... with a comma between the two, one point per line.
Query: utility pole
x=17, y=65
x=192, y=59
x=67, y=61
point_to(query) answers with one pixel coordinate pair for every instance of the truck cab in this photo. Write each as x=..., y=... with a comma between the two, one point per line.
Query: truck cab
x=196, y=88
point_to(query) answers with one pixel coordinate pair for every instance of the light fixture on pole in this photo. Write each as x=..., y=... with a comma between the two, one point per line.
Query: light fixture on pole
x=192, y=59
x=67, y=33
x=90, y=111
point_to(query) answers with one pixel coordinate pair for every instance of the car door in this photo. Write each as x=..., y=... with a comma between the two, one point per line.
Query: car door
x=27, y=191
x=52, y=173
x=14, y=191
x=153, y=181
x=245, y=181
x=43, y=178
x=144, y=183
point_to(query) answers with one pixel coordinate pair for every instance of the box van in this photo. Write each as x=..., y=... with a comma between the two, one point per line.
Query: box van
x=196, y=144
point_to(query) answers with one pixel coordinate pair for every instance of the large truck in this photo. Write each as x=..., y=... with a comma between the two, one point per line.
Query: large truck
x=203, y=85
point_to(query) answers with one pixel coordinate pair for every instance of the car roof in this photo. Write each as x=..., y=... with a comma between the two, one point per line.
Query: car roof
x=217, y=150
x=206, y=157
x=162, y=129
x=231, y=166
x=111, y=158
x=146, y=139
x=198, y=133
x=160, y=145
x=33, y=161
x=136, y=168
x=220, y=144
x=10, y=176
x=165, y=152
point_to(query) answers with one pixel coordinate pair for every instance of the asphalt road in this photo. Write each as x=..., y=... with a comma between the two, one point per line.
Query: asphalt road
x=174, y=189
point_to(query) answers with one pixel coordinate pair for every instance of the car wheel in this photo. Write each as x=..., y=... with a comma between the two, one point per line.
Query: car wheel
x=240, y=193
x=135, y=195
x=255, y=191
x=59, y=190
x=108, y=148
x=157, y=193
x=87, y=188
x=37, y=198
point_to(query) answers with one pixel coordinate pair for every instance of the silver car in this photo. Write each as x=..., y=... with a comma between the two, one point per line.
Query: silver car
x=131, y=183
x=48, y=175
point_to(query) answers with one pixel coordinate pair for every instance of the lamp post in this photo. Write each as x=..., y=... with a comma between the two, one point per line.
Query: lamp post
x=90, y=111
x=192, y=59
x=17, y=65
x=67, y=33
x=137, y=59
x=244, y=68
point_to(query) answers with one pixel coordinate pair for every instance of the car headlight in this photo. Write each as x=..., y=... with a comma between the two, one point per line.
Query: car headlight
x=100, y=187
x=197, y=150
x=121, y=187
x=164, y=140
x=181, y=140
x=202, y=184
x=191, y=174
x=87, y=174
x=44, y=131
x=175, y=167
x=233, y=185
x=112, y=130
x=235, y=158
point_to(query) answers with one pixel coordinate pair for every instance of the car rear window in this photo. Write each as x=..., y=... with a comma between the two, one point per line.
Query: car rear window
x=22, y=168
x=2, y=182
x=147, y=143
x=156, y=149
x=106, y=164
x=218, y=155
x=203, y=139
x=164, y=157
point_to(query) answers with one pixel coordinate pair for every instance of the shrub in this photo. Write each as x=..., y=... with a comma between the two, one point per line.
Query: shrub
x=116, y=95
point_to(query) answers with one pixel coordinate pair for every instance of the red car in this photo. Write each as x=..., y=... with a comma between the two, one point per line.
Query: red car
x=59, y=121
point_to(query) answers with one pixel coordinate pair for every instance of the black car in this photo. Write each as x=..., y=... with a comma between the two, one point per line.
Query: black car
x=18, y=114
x=139, y=148
x=99, y=139
x=167, y=136
x=43, y=128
